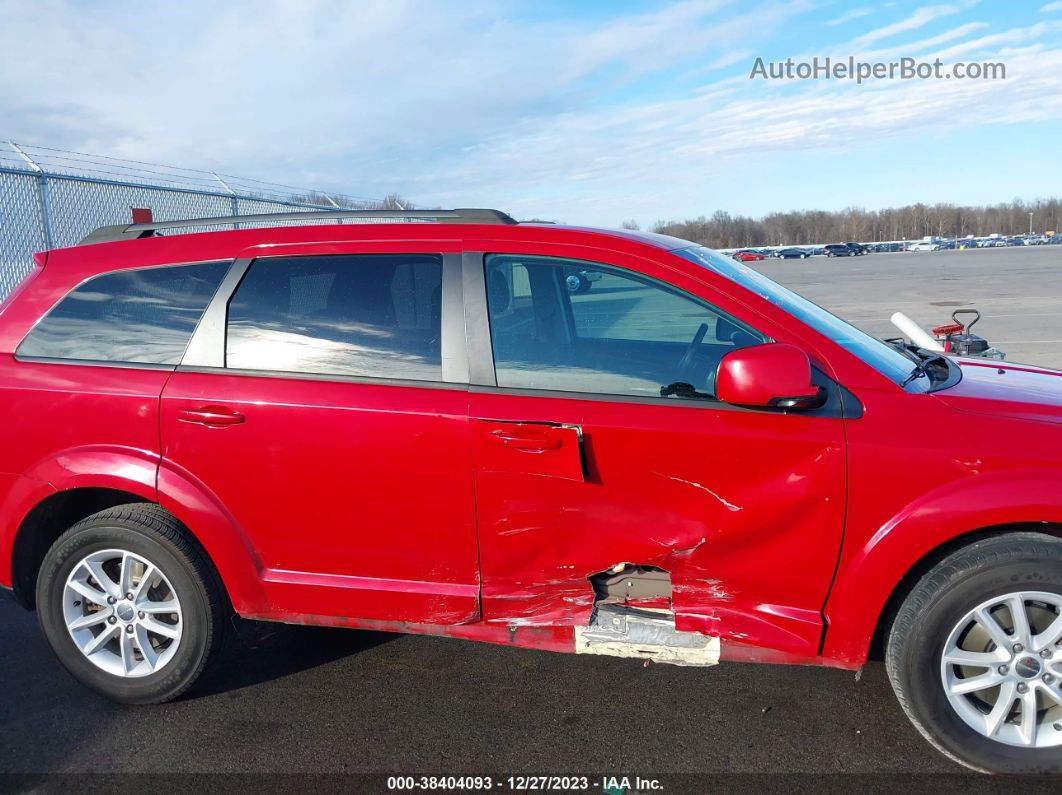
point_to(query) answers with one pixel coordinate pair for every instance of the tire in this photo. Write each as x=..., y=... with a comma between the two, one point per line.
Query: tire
x=931, y=622
x=154, y=653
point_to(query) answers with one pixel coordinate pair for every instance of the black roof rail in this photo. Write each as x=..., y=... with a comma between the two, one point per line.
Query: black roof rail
x=108, y=234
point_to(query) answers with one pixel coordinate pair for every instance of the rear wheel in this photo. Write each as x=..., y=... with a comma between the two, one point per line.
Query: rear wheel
x=975, y=655
x=129, y=606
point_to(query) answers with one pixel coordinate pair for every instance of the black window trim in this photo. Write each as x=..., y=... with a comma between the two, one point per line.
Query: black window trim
x=120, y=364
x=206, y=350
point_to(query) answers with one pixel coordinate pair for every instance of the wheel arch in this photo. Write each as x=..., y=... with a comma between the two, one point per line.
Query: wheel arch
x=223, y=541
x=206, y=524
x=869, y=643
x=46, y=521
x=933, y=557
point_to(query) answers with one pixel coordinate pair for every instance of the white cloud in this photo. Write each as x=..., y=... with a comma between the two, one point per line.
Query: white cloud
x=848, y=16
x=922, y=16
x=916, y=47
x=623, y=156
x=464, y=105
x=731, y=58
x=986, y=43
x=1051, y=7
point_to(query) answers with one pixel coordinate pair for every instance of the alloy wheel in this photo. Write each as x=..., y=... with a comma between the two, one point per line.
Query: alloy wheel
x=122, y=613
x=1001, y=669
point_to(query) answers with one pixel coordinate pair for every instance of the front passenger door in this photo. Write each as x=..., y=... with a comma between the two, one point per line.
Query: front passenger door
x=602, y=443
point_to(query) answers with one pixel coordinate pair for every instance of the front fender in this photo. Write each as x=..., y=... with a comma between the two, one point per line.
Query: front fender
x=871, y=568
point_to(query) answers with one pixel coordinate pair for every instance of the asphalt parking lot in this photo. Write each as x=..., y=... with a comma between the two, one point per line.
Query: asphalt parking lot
x=1017, y=289
x=305, y=700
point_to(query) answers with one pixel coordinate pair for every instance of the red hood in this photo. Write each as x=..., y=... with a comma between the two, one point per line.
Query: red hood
x=1016, y=390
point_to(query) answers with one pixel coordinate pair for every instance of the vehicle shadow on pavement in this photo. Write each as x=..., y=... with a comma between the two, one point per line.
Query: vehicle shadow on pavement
x=266, y=652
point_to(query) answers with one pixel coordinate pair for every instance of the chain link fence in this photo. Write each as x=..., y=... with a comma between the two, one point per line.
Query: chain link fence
x=51, y=198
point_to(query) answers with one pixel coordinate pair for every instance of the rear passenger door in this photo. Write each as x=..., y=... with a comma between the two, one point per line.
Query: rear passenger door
x=323, y=401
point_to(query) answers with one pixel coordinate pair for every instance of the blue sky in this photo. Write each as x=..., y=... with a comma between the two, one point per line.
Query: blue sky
x=588, y=112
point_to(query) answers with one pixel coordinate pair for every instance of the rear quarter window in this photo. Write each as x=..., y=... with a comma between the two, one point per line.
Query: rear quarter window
x=140, y=316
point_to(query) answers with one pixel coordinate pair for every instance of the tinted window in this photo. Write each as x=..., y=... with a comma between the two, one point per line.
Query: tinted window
x=574, y=326
x=143, y=316
x=377, y=315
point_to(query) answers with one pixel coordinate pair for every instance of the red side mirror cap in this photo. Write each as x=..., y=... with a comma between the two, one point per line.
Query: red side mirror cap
x=772, y=375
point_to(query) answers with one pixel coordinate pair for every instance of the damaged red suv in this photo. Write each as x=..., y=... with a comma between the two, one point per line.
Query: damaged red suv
x=415, y=426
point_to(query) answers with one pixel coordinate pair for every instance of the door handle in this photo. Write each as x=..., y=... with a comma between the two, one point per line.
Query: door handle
x=529, y=443
x=211, y=416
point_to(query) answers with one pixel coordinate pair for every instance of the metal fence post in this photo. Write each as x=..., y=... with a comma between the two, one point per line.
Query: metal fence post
x=52, y=197
x=42, y=188
x=235, y=202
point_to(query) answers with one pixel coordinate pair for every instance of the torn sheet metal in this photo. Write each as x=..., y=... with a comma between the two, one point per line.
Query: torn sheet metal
x=618, y=631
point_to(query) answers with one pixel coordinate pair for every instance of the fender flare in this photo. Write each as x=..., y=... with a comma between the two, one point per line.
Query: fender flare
x=99, y=466
x=868, y=573
x=224, y=541
x=145, y=475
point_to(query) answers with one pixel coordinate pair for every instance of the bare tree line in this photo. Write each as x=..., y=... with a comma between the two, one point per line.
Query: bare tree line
x=723, y=230
x=805, y=227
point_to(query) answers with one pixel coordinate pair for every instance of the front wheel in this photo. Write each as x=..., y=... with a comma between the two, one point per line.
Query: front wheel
x=129, y=606
x=975, y=655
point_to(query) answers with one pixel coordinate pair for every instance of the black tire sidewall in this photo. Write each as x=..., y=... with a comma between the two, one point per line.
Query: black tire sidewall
x=196, y=617
x=919, y=666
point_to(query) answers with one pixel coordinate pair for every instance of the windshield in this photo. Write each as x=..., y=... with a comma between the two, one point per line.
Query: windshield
x=880, y=355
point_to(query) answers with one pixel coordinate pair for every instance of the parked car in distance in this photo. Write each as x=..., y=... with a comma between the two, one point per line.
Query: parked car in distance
x=748, y=255
x=817, y=251
x=417, y=427
x=838, y=250
x=924, y=245
x=791, y=253
x=858, y=249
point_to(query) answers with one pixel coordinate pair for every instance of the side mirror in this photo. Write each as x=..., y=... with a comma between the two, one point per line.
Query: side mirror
x=772, y=375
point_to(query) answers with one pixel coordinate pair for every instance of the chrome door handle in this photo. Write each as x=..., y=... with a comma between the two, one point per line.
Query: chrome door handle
x=213, y=417
x=529, y=443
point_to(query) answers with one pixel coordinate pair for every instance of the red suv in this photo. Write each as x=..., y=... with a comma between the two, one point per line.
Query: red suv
x=417, y=426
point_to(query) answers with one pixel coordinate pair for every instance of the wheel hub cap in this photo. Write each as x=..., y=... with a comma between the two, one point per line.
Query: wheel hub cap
x=1027, y=667
x=122, y=613
x=1001, y=669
